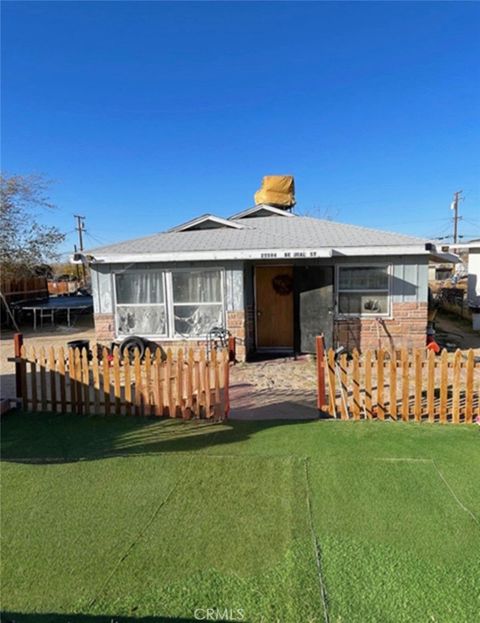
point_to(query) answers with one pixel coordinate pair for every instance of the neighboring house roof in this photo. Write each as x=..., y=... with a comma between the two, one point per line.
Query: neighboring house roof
x=462, y=246
x=259, y=237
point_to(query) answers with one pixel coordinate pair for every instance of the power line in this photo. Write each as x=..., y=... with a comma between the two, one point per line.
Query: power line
x=96, y=238
x=442, y=231
x=471, y=222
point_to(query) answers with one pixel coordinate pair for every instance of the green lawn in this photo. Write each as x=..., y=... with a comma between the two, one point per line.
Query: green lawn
x=129, y=519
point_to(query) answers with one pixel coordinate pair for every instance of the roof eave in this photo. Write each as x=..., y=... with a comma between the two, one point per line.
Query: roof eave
x=261, y=254
x=443, y=257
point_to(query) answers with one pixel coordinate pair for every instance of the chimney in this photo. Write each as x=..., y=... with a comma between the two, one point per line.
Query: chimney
x=277, y=191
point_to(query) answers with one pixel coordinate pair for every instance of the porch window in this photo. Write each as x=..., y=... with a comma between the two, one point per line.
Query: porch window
x=197, y=302
x=141, y=303
x=363, y=290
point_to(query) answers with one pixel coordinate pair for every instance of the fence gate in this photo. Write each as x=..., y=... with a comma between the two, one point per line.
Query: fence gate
x=186, y=385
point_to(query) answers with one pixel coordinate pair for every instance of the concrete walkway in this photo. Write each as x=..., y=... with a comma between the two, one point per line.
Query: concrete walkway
x=279, y=389
x=249, y=403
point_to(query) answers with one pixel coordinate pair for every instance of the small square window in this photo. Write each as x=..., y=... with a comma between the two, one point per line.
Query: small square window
x=363, y=290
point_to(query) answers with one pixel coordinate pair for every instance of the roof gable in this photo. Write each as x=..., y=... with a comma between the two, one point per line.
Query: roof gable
x=259, y=210
x=206, y=221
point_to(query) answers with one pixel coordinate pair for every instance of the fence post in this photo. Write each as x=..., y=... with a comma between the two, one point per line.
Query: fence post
x=226, y=384
x=356, y=384
x=17, y=347
x=320, y=350
x=380, y=384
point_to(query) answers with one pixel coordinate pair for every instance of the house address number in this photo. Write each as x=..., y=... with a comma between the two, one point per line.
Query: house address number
x=269, y=256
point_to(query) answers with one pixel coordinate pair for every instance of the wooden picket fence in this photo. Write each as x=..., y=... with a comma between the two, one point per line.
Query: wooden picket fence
x=75, y=381
x=401, y=384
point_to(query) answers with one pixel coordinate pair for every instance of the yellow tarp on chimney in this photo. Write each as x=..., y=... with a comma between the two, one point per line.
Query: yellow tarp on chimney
x=276, y=190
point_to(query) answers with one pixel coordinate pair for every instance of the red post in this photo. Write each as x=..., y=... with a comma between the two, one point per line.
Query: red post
x=226, y=386
x=17, y=347
x=320, y=349
x=232, y=349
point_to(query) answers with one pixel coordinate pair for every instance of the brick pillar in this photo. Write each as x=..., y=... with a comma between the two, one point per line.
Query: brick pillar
x=104, y=327
x=236, y=326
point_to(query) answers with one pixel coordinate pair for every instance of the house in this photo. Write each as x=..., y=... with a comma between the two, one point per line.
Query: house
x=473, y=293
x=274, y=279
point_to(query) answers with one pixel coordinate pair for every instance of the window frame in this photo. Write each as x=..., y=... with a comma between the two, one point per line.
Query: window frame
x=361, y=314
x=117, y=304
x=168, y=303
x=171, y=327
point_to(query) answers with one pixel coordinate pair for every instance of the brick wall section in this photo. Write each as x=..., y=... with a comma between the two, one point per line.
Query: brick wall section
x=104, y=327
x=406, y=328
x=105, y=332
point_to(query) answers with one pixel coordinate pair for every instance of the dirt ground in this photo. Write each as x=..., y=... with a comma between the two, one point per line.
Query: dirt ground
x=457, y=331
x=45, y=337
x=280, y=373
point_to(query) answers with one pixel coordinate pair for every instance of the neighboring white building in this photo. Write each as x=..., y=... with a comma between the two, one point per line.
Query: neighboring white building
x=473, y=288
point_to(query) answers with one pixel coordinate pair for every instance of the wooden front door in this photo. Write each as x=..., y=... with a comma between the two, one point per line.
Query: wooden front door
x=274, y=306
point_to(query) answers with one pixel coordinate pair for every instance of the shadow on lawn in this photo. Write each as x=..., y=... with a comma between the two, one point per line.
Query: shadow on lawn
x=41, y=438
x=18, y=617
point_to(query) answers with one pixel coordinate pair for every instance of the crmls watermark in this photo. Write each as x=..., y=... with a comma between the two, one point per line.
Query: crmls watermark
x=219, y=614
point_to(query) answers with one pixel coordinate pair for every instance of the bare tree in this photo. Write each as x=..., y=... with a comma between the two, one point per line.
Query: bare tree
x=327, y=213
x=24, y=242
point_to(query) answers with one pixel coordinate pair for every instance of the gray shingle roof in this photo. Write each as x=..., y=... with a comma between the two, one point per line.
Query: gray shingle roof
x=272, y=232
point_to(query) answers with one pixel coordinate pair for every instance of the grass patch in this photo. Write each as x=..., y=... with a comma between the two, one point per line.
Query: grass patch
x=398, y=547
x=149, y=520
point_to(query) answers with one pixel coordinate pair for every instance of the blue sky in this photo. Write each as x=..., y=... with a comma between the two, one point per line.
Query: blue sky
x=148, y=114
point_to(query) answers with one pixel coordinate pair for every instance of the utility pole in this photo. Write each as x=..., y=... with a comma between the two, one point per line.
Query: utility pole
x=76, y=265
x=80, y=227
x=456, y=218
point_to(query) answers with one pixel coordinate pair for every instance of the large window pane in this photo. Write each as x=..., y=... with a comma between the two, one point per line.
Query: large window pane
x=140, y=288
x=141, y=320
x=363, y=303
x=197, y=287
x=365, y=278
x=197, y=320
